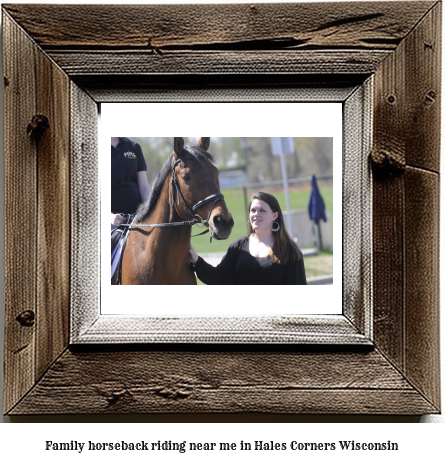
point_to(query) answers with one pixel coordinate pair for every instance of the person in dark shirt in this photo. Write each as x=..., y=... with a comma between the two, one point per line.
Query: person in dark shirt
x=267, y=255
x=129, y=184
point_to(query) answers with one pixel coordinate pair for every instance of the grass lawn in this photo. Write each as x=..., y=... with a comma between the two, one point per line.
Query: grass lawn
x=318, y=265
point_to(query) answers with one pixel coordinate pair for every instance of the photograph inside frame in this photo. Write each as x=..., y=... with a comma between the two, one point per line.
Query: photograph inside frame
x=244, y=212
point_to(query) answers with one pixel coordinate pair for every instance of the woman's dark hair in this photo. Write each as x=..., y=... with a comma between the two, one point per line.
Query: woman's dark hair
x=284, y=248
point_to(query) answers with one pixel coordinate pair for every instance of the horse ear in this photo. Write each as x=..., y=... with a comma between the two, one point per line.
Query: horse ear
x=204, y=143
x=178, y=145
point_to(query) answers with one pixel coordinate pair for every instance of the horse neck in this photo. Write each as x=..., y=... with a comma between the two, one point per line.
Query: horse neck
x=170, y=244
x=160, y=255
x=165, y=212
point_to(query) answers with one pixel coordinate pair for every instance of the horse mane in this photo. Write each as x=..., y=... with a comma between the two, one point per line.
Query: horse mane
x=148, y=206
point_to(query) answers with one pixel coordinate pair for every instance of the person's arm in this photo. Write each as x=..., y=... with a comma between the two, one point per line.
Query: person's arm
x=144, y=187
x=224, y=273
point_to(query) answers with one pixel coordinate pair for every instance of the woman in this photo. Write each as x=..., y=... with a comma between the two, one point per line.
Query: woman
x=267, y=255
x=129, y=184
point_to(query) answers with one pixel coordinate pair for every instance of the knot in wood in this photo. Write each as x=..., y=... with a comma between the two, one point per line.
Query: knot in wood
x=37, y=126
x=387, y=163
x=114, y=397
x=112, y=394
x=173, y=393
x=26, y=318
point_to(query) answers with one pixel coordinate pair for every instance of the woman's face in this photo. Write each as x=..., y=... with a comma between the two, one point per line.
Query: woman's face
x=261, y=216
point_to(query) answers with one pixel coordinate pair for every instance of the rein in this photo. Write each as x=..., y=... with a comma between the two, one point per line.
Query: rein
x=197, y=219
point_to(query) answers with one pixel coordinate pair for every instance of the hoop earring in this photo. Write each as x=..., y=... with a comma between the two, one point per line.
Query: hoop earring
x=277, y=227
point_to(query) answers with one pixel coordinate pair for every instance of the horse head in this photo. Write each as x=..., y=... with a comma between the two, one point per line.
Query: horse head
x=195, y=179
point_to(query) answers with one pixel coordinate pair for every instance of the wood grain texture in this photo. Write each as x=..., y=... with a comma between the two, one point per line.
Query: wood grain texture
x=21, y=212
x=122, y=63
x=407, y=113
x=423, y=92
x=53, y=215
x=389, y=156
x=388, y=268
x=219, y=381
x=422, y=281
x=238, y=39
x=158, y=27
x=38, y=193
x=406, y=207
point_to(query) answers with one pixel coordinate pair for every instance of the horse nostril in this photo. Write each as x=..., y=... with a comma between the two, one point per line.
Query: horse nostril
x=220, y=219
x=220, y=222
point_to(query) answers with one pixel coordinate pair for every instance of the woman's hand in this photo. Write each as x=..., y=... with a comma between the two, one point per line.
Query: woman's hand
x=193, y=255
x=117, y=220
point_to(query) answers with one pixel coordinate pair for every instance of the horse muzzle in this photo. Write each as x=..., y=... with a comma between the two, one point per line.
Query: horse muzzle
x=220, y=227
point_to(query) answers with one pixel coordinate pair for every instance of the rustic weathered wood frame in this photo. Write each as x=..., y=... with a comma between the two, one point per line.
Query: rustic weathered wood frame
x=78, y=56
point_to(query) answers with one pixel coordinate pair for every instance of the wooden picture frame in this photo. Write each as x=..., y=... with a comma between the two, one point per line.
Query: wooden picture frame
x=57, y=71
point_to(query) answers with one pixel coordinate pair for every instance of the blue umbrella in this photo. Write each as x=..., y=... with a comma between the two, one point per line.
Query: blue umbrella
x=316, y=208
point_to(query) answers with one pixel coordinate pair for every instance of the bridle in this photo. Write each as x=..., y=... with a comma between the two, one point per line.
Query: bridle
x=178, y=192
x=176, y=188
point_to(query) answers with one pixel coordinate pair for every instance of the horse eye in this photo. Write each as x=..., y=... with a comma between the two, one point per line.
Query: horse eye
x=185, y=177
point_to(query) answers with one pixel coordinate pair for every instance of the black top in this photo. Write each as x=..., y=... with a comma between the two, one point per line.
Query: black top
x=238, y=266
x=126, y=161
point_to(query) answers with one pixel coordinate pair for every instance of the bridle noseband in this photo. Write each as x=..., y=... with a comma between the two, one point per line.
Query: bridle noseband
x=196, y=218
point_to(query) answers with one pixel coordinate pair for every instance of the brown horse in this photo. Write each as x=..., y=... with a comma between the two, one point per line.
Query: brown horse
x=187, y=188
